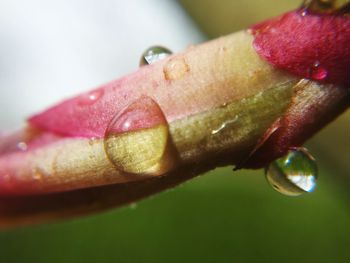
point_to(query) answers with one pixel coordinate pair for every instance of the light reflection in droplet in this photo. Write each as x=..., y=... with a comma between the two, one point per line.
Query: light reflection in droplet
x=91, y=97
x=154, y=54
x=137, y=139
x=293, y=174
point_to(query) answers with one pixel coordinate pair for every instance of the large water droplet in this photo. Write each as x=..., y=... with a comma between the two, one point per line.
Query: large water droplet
x=154, y=54
x=293, y=174
x=137, y=139
x=317, y=72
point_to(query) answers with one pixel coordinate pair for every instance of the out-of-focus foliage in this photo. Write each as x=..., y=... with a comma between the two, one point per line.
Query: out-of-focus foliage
x=219, y=217
x=222, y=17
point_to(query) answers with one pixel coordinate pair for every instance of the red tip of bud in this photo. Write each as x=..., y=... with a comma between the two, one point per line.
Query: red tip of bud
x=308, y=45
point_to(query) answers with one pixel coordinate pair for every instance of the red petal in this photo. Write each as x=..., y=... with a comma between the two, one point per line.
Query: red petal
x=88, y=115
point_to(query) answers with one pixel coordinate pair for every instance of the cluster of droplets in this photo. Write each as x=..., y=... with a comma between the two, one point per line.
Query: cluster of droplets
x=325, y=7
x=294, y=174
x=134, y=149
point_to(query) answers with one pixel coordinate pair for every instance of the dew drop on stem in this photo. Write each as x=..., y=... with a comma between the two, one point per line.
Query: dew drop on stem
x=154, y=54
x=137, y=139
x=294, y=174
x=318, y=72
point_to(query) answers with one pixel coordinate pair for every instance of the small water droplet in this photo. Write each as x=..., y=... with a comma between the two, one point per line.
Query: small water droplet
x=91, y=97
x=22, y=146
x=317, y=72
x=137, y=139
x=293, y=174
x=304, y=12
x=154, y=54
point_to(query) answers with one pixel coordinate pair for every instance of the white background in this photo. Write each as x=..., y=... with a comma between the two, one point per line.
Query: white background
x=53, y=49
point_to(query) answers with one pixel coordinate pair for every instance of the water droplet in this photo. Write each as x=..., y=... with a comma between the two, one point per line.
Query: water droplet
x=17, y=141
x=154, y=54
x=175, y=68
x=317, y=72
x=137, y=139
x=22, y=146
x=293, y=174
x=304, y=12
x=91, y=97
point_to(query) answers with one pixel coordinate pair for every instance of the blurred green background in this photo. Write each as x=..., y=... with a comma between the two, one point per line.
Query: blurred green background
x=220, y=217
